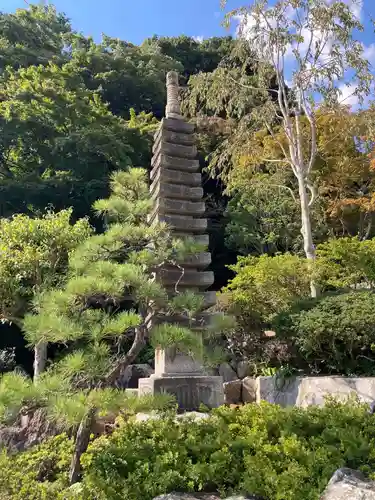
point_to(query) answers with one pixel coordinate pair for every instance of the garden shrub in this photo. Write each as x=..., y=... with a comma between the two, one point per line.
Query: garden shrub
x=345, y=262
x=40, y=473
x=263, y=287
x=333, y=334
x=279, y=453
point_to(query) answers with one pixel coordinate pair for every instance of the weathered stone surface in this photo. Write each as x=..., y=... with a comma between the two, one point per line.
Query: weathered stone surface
x=305, y=391
x=168, y=362
x=189, y=391
x=176, y=176
x=161, y=160
x=199, y=279
x=171, y=206
x=176, y=191
x=347, y=484
x=232, y=392
x=129, y=378
x=182, y=223
x=242, y=369
x=177, y=150
x=28, y=431
x=227, y=372
x=199, y=261
x=176, y=136
x=249, y=390
x=177, y=125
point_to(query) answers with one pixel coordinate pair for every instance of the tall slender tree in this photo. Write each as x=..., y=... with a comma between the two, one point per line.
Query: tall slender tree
x=310, y=46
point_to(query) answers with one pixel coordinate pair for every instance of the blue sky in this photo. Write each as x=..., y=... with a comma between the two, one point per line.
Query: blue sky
x=135, y=20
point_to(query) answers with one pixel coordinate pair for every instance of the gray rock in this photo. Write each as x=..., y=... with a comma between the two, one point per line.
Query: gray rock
x=348, y=484
x=232, y=392
x=243, y=369
x=249, y=393
x=227, y=372
x=130, y=376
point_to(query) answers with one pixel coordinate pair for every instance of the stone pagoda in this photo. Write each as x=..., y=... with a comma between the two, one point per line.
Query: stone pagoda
x=176, y=188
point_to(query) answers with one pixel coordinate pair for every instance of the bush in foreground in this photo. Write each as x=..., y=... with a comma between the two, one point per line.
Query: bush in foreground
x=279, y=453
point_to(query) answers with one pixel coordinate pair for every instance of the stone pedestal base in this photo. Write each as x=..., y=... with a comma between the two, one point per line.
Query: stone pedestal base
x=189, y=391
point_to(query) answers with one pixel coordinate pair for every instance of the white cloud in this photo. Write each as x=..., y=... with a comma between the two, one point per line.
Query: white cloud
x=347, y=97
x=369, y=53
x=198, y=39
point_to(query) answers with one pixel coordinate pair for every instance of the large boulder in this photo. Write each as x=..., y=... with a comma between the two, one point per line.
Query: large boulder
x=227, y=372
x=249, y=390
x=243, y=369
x=348, y=484
x=232, y=392
x=130, y=376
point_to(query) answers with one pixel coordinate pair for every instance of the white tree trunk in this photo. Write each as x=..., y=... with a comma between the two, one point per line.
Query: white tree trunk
x=306, y=231
x=40, y=359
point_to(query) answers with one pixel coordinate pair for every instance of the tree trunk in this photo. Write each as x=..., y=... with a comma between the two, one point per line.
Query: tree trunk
x=81, y=444
x=40, y=359
x=308, y=244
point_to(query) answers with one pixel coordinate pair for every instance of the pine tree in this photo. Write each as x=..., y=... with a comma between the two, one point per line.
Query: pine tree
x=104, y=311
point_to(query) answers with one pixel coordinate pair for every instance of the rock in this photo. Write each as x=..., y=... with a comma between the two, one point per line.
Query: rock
x=130, y=376
x=243, y=369
x=232, y=392
x=227, y=372
x=348, y=484
x=28, y=431
x=249, y=391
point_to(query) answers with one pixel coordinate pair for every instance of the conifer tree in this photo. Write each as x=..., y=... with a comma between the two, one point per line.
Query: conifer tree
x=105, y=311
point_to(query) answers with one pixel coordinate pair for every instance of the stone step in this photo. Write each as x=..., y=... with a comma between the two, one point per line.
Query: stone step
x=161, y=160
x=177, y=126
x=185, y=139
x=190, y=278
x=181, y=223
x=202, y=239
x=209, y=298
x=176, y=150
x=176, y=176
x=199, y=261
x=170, y=206
x=175, y=191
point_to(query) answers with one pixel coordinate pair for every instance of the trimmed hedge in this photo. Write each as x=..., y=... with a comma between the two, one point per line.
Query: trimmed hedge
x=278, y=453
x=281, y=454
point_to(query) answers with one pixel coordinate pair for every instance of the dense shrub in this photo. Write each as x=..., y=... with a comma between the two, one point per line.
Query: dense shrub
x=262, y=287
x=334, y=334
x=346, y=262
x=282, y=454
x=38, y=474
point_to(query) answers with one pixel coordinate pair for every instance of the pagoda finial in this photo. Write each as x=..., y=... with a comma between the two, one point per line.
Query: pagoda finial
x=173, y=106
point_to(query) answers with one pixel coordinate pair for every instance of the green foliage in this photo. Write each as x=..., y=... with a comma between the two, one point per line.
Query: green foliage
x=34, y=256
x=195, y=57
x=260, y=449
x=33, y=36
x=346, y=262
x=333, y=334
x=38, y=474
x=264, y=286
